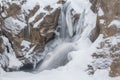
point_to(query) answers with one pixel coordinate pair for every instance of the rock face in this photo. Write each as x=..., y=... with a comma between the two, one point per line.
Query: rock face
x=115, y=67
x=27, y=29
x=107, y=13
x=108, y=20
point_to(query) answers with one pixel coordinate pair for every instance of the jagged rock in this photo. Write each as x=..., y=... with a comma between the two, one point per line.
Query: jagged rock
x=17, y=24
x=95, y=32
x=1, y=49
x=37, y=36
x=13, y=10
x=48, y=8
x=38, y=17
x=112, y=30
x=115, y=68
x=49, y=24
x=108, y=15
x=61, y=1
x=32, y=12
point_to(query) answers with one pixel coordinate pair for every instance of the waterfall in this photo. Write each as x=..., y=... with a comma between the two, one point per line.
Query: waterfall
x=63, y=43
x=69, y=20
x=66, y=24
x=57, y=57
x=80, y=26
x=63, y=24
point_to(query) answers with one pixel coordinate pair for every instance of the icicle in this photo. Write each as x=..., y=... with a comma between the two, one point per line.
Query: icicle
x=66, y=26
x=69, y=20
x=80, y=25
x=63, y=25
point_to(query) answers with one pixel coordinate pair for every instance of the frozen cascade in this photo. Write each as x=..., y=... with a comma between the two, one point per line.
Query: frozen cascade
x=69, y=31
x=56, y=51
x=80, y=25
x=63, y=43
x=69, y=20
x=62, y=22
x=58, y=57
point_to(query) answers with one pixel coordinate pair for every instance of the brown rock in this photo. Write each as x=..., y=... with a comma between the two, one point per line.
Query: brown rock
x=13, y=10
x=61, y=1
x=111, y=31
x=48, y=8
x=49, y=24
x=115, y=68
x=38, y=17
x=38, y=36
x=32, y=12
x=111, y=12
x=1, y=49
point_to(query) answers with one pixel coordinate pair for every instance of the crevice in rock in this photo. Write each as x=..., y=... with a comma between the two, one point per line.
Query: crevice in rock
x=95, y=32
x=27, y=67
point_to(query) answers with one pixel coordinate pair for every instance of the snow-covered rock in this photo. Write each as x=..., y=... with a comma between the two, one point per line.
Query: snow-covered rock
x=76, y=39
x=27, y=20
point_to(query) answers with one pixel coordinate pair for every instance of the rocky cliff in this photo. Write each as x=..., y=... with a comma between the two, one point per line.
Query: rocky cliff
x=27, y=28
x=108, y=20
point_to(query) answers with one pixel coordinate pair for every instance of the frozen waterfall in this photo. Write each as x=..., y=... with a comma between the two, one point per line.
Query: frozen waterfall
x=65, y=40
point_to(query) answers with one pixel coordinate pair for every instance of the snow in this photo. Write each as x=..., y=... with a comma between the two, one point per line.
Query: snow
x=100, y=12
x=3, y=14
x=30, y=4
x=57, y=57
x=27, y=50
x=37, y=13
x=78, y=58
x=13, y=61
x=102, y=21
x=80, y=5
x=26, y=44
x=42, y=3
x=116, y=23
x=74, y=70
x=80, y=26
x=28, y=53
x=14, y=25
x=1, y=71
x=114, y=40
x=37, y=23
x=69, y=20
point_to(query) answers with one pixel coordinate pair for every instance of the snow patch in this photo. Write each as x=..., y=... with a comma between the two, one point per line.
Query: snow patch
x=102, y=21
x=100, y=12
x=26, y=44
x=80, y=5
x=115, y=22
x=14, y=63
x=14, y=25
